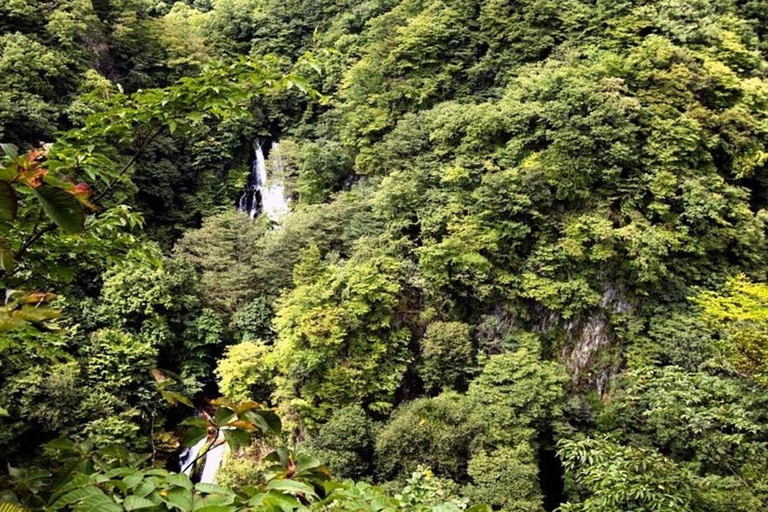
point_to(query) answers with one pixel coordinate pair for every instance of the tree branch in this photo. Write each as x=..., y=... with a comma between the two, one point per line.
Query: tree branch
x=201, y=455
x=32, y=239
x=129, y=164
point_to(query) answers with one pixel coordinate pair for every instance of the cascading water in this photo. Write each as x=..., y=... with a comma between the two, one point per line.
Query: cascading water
x=262, y=194
x=189, y=456
x=265, y=194
x=211, y=459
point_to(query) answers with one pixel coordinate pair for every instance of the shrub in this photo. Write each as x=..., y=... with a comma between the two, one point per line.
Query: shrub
x=434, y=432
x=242, y=469
x=253, y=321
x=245, y=372
x=346, y=442
x=518, y=394
x=119, y=362
x=505, y=478
x=447, y=355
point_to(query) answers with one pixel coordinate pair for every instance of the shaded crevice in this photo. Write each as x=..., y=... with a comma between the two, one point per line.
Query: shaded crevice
x=551, y=473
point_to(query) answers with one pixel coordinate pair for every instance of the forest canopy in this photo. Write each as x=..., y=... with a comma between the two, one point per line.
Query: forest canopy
x=423, y=255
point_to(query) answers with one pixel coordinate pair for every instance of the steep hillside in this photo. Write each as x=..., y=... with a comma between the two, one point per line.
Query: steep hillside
x=524, y=266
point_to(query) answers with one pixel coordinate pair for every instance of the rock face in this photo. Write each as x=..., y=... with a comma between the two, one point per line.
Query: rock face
x=592, y=352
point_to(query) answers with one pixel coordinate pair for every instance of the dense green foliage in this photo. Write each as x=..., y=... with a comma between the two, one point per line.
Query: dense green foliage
x=524, y=266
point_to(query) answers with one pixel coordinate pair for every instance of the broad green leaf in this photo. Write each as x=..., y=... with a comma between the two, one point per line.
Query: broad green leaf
x=214, y=500
x=98, y=503
x=62, y=444
x=10, y=150
x=180, y=480
x=305, y=462
x=137, y=503
x=8, y=322
x=193, y=436
x=273, y=420
x=196, y=422
x=172, y=397
x=37, y=314
x=118, y=472
x=291, y=487
x=223, y=416
x=133, y=480
x=9, y=202
x=274, y=499
x=6, y=256
x=237, y=438
x=76, y=496
x=180, y=498
x=145, y=488
x=212, y=489
x=62, y=207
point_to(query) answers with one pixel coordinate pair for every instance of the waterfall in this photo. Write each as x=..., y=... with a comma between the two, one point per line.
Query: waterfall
x=263, y=194
x=189, y=455
x=211, y=460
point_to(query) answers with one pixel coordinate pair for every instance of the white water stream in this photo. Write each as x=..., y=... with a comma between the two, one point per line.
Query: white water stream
x=211, y=461
x=265, y=193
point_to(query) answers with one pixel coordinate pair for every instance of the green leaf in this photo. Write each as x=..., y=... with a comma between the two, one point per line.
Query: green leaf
x=193, y=435
x=133, y=480
x=195, y=422
x=62, y=207
x=180, y=498
x=37, y=314
x=145, y=488
x=118, y=472
x=291, y=487
x=62, y=444
x=305, y=462
x=10, y=150
x=211, y=500
x=273, y=420
x=98, y=503
x=137, y=503
x=172, y=397
x=9, y=323
x=180, y=480
x=9, y=202
x=212, y=488
x=274, y=499
x=76, y=496
x=6, y=256
x=237, y=438
x=267, y=421
x=223, y=416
